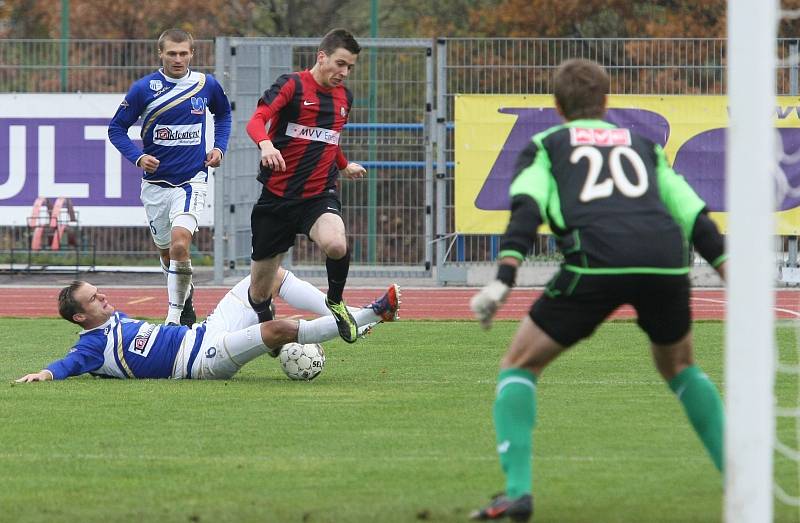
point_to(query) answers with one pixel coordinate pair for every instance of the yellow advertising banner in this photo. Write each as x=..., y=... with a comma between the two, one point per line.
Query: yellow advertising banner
x=491, y=130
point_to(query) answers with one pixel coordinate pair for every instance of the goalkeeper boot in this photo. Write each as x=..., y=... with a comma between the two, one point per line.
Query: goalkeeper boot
x=517, y=509
x=388, y=305
x=348, y=330
x=188, y=316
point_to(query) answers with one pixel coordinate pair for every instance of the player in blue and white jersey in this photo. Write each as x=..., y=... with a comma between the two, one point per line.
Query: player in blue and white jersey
x=113, y=345
x=170, y=105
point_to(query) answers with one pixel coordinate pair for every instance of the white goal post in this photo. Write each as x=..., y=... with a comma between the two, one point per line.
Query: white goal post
x=750, y=351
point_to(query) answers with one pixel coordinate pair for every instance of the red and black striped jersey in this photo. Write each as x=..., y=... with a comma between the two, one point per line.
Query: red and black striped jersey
x=305, y=120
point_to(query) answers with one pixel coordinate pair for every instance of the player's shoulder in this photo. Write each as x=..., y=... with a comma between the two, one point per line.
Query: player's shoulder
x=286, y=81
x=150, y=81
x=210, y=79
x=196, y=76
x=94, y=339
x=346, y=90
x=645, y=144
x=295, y=76
x=549, y=135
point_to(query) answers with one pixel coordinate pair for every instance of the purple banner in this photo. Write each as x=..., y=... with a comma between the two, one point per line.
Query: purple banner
x=701, y=159
x=69, y=157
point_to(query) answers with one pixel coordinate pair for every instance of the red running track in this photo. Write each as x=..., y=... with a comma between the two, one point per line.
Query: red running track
x=435, y=303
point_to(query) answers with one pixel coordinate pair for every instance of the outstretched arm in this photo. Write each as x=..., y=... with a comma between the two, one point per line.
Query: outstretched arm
x=79, y=360
x=514, y=246
x=529, y=194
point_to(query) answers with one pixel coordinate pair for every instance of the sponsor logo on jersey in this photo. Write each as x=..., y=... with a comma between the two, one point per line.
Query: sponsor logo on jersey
x=211, y=352
x=317, y=134
x=124, y=103
x=156, y=85
x=141, y=342
x=162, y=91
x=174, y=135
x=599, y=137
x=198, y=105
x=306, y=102
x=342, y=111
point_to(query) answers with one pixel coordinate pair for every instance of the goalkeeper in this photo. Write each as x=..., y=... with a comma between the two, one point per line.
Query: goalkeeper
x=623, y=220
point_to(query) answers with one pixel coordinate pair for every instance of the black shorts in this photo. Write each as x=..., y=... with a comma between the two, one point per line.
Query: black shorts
x=276, y=221
x=573, y=305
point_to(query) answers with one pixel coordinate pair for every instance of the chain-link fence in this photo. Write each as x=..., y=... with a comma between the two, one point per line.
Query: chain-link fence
x=402, y=217
x=387, y=215
x=89, y=66
x=526, y=66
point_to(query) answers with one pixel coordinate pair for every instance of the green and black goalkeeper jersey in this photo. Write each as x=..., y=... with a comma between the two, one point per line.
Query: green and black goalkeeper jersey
x=609, y=195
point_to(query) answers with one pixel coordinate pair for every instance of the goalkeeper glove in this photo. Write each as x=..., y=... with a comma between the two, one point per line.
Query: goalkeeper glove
x=485, y=304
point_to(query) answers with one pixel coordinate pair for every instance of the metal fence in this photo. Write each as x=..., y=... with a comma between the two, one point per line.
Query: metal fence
x=526, y=66
x=400, y=219
x=388, y=214
x=90, y=66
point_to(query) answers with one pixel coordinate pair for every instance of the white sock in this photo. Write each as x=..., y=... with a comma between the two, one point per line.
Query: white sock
x=244, y=345
x=179, y=280
x=324, y=329
x=302, y=295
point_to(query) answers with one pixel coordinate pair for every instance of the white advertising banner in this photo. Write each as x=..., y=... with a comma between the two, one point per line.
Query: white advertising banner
x=56, y=145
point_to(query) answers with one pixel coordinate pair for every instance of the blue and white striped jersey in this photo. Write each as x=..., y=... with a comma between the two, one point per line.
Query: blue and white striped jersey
x=126, y=348
x=173, y=120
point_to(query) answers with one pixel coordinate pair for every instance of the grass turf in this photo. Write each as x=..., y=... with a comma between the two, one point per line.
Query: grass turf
x=397, y=428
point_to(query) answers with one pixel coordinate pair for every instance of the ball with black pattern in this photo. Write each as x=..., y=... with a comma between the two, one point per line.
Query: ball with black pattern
x=302, y=362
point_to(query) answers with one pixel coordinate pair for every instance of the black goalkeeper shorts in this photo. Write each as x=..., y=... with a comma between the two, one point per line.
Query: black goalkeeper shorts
x=574, y=305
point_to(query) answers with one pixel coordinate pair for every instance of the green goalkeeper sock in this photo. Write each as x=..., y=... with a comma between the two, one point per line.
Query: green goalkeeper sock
x=514, y=417
x=703, y=407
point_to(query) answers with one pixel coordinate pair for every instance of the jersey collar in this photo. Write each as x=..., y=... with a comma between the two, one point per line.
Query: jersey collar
x=590, y=123
x=107, y=323
x=174, y=80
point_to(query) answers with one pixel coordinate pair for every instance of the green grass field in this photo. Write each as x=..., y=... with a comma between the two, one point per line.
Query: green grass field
x=397, y=428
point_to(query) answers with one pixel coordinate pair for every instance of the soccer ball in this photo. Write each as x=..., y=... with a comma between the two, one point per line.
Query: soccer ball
x=302, y=362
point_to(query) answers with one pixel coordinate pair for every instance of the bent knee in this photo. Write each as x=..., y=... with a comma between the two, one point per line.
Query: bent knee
x=179, y=251
x=336, y=250
x=278, y=332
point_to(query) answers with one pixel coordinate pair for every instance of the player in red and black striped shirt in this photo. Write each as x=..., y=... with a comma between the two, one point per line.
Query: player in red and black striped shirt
x=296, y=126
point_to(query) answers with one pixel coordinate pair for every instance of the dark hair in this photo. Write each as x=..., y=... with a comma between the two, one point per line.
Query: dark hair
x=177, y=36
x=580, y=88
x=67, y=305
x=339, y=38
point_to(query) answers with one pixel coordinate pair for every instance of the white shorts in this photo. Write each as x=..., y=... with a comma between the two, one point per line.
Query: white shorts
x=163, y=204
x=212, y=361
